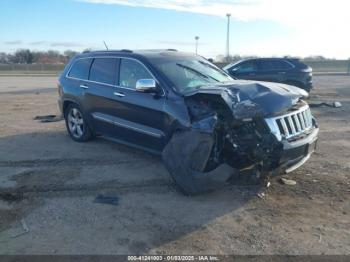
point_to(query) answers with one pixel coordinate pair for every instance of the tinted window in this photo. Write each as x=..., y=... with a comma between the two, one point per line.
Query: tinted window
x=80, y=69
x=131, y=71
x=282, y=65
x=103, y=70
x=267, y=65
x=245, y=67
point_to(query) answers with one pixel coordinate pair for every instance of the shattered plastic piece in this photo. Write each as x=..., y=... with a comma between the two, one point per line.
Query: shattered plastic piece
x=261, y=195
x=22, y=231
x=24, y=225
x=337, y=104
x=186, y=157
x=101, y=199
x=288, y=182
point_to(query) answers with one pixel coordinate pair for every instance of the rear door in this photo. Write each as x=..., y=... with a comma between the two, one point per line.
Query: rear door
x=141, y=119
x=273, y=70
x=99, y=94
x=266, y=71
x=76, y=81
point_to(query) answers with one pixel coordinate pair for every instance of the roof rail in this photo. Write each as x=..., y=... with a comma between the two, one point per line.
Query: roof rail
x=171, y=49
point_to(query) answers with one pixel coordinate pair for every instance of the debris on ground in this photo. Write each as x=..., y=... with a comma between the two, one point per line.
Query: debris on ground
x=268, y=184
x=110, y=200
x=48, y=118
x=288, y=182
x=16, y=232
x=261, y=195
x=11, y=197
x=335, y=104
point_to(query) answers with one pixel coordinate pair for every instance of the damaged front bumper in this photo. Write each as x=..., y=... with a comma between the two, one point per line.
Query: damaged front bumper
x=295, y=154
x=231, y=136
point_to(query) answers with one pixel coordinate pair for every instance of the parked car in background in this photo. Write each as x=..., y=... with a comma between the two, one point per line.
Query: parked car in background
x=281, y=70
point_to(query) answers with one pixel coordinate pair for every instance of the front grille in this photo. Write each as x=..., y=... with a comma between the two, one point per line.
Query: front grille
x=291, y=124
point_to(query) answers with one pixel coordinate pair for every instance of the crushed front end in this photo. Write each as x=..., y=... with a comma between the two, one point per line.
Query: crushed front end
x=297, y=132
x=231, y=132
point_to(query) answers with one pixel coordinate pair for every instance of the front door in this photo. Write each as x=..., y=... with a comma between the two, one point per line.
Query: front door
x=141, y=116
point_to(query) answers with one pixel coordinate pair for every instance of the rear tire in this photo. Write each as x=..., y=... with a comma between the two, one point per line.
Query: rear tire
x=76, y=124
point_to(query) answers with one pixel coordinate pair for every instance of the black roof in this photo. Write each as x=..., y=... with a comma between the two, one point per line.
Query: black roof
x=151, y=53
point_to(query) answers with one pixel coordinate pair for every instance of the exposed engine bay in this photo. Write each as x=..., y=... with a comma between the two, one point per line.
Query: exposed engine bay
x=227, y=135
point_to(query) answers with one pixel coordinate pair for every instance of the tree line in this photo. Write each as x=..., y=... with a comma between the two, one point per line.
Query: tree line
x=26, y=56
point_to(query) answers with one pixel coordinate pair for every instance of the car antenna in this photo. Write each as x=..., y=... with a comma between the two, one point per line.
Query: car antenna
x=105, y=45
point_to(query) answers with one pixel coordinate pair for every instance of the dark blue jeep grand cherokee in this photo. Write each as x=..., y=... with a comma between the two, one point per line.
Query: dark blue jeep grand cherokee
x=207, y=126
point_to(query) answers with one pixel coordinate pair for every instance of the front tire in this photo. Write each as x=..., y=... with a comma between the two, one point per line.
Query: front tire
x=77, y=126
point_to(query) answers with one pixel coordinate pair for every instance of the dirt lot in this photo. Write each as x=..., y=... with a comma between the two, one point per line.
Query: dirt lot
x=57, y=180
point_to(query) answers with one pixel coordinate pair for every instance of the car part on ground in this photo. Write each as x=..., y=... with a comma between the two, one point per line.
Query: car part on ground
x=49, y=118
x=335, y=104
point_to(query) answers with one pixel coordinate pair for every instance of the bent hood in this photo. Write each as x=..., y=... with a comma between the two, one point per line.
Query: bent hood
x=249, y=99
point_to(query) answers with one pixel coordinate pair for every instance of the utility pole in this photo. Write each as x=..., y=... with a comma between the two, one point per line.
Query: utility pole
x=196, y=38
x=228, y=38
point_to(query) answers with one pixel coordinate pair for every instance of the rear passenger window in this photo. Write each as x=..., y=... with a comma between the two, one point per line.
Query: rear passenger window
x=80, y=69
x=131, y=71
x=266, y=65
x=104, y=70
x=269, y=65
x=282, y=65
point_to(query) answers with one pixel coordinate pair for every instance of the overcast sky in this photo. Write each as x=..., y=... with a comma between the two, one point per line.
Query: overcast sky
x=258, y=27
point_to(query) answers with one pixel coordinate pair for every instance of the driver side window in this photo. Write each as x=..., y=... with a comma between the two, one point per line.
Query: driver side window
x=130, y=72
x=246, y=67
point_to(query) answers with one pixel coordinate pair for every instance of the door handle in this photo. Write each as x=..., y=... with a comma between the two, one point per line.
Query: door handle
x=252, y=74
x=84, y=86
x=281, y=73
x=118, y=94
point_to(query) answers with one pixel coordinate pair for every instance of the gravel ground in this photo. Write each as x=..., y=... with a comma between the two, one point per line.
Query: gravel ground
x=56, y=180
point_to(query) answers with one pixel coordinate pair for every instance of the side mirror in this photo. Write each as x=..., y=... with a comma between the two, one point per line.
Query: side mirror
x=146, y=86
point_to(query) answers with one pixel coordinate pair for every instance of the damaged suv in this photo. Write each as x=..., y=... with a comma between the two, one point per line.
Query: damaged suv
x=207, y=126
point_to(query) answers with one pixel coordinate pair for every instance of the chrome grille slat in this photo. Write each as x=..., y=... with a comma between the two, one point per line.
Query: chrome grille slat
x=285, y=129
x=309, y=117
x=305, y=119
x=301, y=121
x=291, y=124
x=296, y=119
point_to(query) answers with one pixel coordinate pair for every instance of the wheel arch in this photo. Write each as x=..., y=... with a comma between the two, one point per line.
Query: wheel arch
x=66, y=103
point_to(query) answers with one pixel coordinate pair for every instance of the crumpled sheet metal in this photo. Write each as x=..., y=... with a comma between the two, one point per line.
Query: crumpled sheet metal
x=186, y=157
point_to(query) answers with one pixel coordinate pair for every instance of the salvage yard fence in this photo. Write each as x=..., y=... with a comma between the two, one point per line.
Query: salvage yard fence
x=321, y=67
x=31, y=68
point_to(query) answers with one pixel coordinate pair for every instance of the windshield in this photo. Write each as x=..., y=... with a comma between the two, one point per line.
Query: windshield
x=188, y=74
